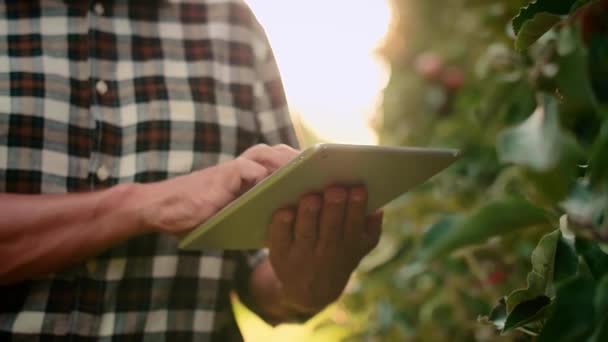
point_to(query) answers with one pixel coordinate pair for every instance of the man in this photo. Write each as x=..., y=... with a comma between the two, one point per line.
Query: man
x=124, y=124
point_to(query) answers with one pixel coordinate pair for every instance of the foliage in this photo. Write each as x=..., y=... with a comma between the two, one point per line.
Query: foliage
x=510, y=243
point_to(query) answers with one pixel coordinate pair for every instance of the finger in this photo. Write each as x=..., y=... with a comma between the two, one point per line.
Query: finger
x=285, y=153
x=332, y=217
x=374, y=229
x=307, y=222
x=270, y=157
x=263, y=154
x=250, y=172
x=287, y=150
x=280, y=232
x=355, y=220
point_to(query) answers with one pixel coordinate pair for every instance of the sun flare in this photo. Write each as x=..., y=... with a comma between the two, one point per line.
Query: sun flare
x=325, y=53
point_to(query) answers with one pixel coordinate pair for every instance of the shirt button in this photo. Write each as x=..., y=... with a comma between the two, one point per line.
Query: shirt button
x=103, y=173
x=98, y=8
x=102, y=87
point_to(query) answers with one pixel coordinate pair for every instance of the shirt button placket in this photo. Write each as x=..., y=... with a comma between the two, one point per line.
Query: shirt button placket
x=102, y=172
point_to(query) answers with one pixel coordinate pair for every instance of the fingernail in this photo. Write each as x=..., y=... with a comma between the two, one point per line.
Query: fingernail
x=337, y=196
x=313, y=206
x=358, y=194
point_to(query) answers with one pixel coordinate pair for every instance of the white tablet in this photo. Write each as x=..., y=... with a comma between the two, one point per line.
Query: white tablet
x=387, y=172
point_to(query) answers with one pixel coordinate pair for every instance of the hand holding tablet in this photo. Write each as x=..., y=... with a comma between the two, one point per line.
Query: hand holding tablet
x=386, y=172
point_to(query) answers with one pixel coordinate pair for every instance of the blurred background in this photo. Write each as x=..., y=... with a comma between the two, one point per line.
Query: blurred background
x=531, y=119
x=325, y=51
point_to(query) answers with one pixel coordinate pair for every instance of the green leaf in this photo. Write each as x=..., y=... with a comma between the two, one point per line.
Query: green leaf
x=583, y=268
x=573, y=314
x=542, y=259
x=594, y=257
x=527, y=312
x=528, y=12
x=601, y=331
x=566, y=261
x=585, y=208
x=534, y=20
x=536, y=284
x=601, y=309
x=497, y=218
x=498, y=315
x=553, y=260
x=538, y=142
x=534, y=28
x=573, y=79
x=548, y=152
x=436, y=231
x=601, y=296
x=598, y=162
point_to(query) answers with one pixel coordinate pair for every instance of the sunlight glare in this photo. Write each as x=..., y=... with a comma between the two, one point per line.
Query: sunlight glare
x=324, y=51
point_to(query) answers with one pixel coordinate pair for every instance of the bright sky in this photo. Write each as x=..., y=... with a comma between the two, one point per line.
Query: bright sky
x=324, y=51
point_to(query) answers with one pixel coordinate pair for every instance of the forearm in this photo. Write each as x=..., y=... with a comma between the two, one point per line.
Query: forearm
x=44, y=233
x=41, y=234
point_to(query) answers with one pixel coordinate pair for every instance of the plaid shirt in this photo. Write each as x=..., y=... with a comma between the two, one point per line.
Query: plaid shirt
x=93, y=94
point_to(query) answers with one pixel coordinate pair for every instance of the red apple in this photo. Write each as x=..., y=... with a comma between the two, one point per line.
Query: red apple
x=452, y=78
x=429, y=65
